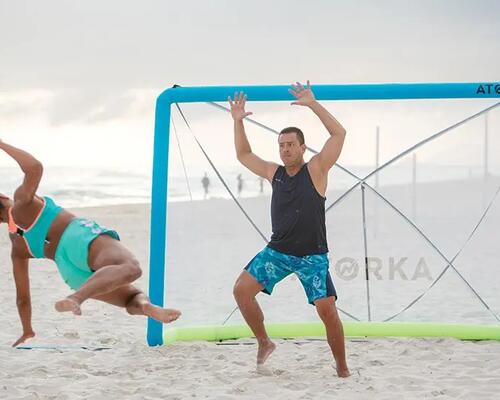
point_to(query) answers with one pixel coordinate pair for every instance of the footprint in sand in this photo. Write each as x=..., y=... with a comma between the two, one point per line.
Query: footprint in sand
x=71, y=335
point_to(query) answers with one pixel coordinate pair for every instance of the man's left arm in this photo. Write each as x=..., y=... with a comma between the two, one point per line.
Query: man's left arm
x=331, y=150
x=327, y=157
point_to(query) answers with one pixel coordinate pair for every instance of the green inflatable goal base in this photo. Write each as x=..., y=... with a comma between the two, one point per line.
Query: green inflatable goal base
x=351, y=329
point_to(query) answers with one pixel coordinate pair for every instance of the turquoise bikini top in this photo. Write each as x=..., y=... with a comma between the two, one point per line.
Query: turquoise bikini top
x=35, y=235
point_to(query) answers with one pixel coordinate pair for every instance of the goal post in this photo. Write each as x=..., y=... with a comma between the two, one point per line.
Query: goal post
x=158, y=222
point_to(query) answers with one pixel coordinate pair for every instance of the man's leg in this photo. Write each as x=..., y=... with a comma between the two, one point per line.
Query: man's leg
x=114, y=266
x=137, y=303
x=327, y=311
x=245, y=290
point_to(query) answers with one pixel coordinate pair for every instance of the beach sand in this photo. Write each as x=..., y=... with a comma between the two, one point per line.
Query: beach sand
x=119, y=363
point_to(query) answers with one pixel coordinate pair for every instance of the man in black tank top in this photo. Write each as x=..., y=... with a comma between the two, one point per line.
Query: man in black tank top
x=298, y=243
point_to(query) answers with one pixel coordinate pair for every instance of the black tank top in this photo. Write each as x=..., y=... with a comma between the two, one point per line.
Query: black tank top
x=297, y=214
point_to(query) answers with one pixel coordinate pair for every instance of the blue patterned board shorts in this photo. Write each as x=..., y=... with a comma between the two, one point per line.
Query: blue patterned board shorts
x=270, y=267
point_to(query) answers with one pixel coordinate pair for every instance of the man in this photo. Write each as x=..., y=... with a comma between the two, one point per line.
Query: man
x=90, y=258
x=205, y=181
x=239, y=178
x=298, y=243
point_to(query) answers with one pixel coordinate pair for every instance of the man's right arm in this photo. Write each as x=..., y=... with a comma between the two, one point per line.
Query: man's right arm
x=257, y=165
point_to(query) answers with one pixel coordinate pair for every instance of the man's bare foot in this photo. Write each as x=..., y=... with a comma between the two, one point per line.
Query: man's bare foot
x=69, y=304
x=343, y=372
x=266, y=348
x=165, y=315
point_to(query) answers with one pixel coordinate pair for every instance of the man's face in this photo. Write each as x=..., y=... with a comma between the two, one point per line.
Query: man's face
x=291, y=151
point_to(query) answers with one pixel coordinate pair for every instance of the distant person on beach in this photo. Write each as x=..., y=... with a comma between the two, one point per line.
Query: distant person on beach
x=298, y=243
x=240, y=184
x=205, y=181
x=90, y=258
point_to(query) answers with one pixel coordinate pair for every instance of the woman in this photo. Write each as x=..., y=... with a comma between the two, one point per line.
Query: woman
x=90, y=258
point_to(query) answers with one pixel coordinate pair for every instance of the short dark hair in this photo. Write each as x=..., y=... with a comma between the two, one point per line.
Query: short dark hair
x=293, y=129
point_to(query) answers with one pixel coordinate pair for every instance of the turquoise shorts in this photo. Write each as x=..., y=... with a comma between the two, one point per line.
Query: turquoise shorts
x=270, y=266
x=73, y=250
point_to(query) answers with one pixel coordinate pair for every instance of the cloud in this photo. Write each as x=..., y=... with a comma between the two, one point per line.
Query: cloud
x=95, y=57
x=121, y=45
x=16, y=105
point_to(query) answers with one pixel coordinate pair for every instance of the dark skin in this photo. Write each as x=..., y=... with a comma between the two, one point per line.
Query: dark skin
x=114, y=266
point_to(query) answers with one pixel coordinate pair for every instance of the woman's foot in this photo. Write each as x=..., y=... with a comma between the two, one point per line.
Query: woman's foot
x=165, y=315
x=70, y=303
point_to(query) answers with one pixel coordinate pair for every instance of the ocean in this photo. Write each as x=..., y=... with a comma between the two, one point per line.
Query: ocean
x=99, y=186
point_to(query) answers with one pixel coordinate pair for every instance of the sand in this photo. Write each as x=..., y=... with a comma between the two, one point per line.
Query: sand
x=119, y=364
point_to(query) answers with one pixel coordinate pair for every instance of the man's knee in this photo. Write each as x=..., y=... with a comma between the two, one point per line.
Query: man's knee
x=327, y=311
x=239, y=291
x=242, y=290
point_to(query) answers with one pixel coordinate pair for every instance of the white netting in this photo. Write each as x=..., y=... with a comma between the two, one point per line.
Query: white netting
x=411, y=219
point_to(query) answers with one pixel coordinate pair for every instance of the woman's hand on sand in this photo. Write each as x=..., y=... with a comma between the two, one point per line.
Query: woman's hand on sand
x=238, y=106
x=23, y=338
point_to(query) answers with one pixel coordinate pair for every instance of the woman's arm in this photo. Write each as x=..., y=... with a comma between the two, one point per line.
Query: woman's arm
x=33, y=171
x=23, y=297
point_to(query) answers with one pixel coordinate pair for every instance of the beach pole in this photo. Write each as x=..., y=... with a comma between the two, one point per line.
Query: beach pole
x=377, y=163
x=485, y=162
x=414, y=188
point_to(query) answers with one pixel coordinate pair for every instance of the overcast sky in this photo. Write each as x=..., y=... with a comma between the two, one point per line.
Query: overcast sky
x=77, y=71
